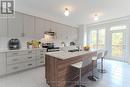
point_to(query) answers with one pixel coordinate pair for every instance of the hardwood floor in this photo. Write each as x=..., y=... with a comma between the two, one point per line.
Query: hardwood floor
x=118, y=75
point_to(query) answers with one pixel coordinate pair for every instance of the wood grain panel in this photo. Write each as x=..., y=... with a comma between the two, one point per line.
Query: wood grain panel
x=60, y=73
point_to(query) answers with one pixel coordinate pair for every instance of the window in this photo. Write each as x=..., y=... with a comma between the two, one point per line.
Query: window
x=97, y=38
x=93, y=39
x=101, y=38
x=118, y=27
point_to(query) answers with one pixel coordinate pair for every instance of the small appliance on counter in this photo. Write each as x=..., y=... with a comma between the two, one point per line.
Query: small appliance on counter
x=33, y=44
x=14, y=44
x=50, y=47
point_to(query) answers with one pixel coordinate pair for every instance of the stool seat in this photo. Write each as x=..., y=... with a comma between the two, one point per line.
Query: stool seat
x=94, y=58
x=77, y=65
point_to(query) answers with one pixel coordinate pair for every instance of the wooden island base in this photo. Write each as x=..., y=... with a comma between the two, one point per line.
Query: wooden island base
x=60, y=73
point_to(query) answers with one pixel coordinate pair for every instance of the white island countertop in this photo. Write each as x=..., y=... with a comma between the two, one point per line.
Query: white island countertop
x=66, y=55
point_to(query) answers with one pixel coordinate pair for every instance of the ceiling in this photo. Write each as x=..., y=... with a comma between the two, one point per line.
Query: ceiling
x=81, y=11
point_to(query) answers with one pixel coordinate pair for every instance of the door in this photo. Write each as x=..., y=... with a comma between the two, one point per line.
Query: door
x=118, y=45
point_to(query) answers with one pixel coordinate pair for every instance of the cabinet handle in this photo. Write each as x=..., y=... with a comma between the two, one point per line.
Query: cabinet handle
x=41, y=62
x=15, y=67
x=15, y=53
x=41, y=57
x=15, y=59
x=29, y=64
x=29, y=57
x=29, y=51
x=42, y=54
x=41, y=51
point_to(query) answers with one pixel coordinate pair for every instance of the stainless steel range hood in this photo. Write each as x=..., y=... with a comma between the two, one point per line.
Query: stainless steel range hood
x=50, y=33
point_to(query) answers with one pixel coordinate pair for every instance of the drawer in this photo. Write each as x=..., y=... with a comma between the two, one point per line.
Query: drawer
x=29, y=57
x=15, y=53
x=40, y=62
x=29, y=64
x=30, y=52
x=40, y=57
x=21, y=66
x=18, y=59
x=14, y=68
x=41, y=52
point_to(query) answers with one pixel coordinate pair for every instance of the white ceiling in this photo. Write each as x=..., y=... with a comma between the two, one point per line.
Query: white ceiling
x=81, y=10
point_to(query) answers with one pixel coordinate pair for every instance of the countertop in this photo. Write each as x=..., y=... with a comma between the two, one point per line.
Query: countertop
x=66, y=55
x=23, y=49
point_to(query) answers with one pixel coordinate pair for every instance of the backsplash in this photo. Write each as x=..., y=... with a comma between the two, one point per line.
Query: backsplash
x=23, y=40
x=4, y=42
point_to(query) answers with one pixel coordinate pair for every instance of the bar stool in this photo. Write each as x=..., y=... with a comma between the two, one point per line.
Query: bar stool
x=85, y=62
x=93, y=77
x=102, y=58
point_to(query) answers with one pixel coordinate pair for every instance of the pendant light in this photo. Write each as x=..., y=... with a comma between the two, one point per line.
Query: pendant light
x=66, y=13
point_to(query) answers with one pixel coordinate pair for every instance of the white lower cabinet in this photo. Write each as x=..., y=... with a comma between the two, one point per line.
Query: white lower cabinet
x=2, y=63
x=14, y=67
x=18, y=59
x=22, y=60
x=40, y=62
x=29, y=64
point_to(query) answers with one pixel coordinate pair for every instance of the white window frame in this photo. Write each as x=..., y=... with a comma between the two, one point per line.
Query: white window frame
x=97, y=30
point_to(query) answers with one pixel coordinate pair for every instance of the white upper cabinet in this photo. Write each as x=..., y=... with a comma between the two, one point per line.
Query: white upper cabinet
x=23, y=25
x=59, y=32
x=41, y=26
x=2, y=63
x=29, y=24
x=66, y=33
x=3, y=26
x=15, y=25
x=73, y=33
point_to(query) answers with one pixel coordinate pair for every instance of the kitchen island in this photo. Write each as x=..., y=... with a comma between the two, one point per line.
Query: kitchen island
x=59, y=72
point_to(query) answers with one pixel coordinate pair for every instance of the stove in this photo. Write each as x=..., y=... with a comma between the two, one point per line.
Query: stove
x=53, y=49
x=50, y=47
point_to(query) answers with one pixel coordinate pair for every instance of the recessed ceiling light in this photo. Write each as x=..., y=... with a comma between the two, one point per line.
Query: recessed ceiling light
x=66, y=13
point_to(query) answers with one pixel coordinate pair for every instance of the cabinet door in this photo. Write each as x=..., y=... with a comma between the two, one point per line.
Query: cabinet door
x=73, y=32
x=59, y=32
x=2, y=63
x=15, y=25
x=41, y=26
x=3, y=26
x=29, y=30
